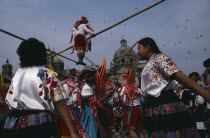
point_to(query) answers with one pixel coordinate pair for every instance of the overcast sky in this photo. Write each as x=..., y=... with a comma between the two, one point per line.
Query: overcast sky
x=181, y=28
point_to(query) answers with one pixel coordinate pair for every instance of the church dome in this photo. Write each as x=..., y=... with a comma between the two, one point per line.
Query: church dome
x=57, y=60
x=122, y=50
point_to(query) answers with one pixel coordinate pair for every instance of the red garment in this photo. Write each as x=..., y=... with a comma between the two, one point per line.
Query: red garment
x=63, y=129
x=80, y=42
x=103, y=86
x=93, y=103
x=72, y=86
x=110, y=116
x=131, y=92
x=131, y=116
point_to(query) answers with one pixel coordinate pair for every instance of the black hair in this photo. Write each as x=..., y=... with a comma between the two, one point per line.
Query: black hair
x=206, y=63
x=32, y=52
x=193, y=74
x=149, y=41
x=72, y=72
x=87, y=73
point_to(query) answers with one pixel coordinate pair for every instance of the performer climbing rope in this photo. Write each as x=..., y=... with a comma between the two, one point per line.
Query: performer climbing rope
x=81, y=43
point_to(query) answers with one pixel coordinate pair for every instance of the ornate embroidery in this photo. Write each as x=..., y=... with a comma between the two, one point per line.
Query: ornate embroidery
x=188, y=132
x=50, y=85
x=42, y=74
x=29, y=120
x=40, y=93
x=10, y=92
x=165, y=109
x=160, y=69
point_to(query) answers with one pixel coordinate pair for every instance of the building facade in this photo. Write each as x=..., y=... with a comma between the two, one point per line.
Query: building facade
x=129, y=61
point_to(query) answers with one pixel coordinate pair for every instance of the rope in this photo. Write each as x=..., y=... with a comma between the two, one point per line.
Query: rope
x=131, y=16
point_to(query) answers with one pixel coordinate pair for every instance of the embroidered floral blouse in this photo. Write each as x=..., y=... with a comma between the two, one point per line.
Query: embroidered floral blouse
x=155, y=75
x=35, y=88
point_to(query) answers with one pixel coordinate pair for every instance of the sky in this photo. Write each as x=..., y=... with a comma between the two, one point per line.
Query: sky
x=181, y=28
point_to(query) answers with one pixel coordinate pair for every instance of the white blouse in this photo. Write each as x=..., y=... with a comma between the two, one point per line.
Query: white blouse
x=155, y=75
x=35, y=88
x=82, y=29
x=87, y=91
x=135, y=102
x=73, y=95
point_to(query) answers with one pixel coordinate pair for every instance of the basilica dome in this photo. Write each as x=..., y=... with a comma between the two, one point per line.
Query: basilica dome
x=130, y=58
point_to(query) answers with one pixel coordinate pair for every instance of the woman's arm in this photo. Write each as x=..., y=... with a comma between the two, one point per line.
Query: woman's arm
x=62, y=109
x=189, y=83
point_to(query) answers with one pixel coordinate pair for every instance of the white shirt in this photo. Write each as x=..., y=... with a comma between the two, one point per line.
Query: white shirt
x=87, y=91
x=155, y=75
x=135, y=102
x=71, y=88
x=199, y=100
x=82, y=29
x=111, y=100
x=35, y=88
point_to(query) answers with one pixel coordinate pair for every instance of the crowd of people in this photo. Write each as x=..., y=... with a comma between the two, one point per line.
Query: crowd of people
x=89, y=104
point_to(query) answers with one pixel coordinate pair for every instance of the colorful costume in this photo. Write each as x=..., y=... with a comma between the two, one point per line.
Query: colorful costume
x=89, y=119
x=30, y=98
x=79, y=33
x=104, y=87
x=73, y=90
x=130, y=95
x=165, y=114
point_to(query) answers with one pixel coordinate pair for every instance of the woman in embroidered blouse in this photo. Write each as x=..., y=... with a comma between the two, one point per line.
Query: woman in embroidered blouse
x=34, y=95
x=165, y=115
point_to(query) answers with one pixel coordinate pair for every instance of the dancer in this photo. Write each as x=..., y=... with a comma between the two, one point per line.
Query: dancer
x=72, y=87
x=165, y=115
x=90, y=105
x=81, y=43
x=131, y=95
x=106, y=93
x=34, y=95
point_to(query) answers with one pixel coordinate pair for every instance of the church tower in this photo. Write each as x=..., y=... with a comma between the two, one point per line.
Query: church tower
x=7, y=69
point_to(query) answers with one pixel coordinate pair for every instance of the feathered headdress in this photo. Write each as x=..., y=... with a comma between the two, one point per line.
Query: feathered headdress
x=129, y=76
x=102, y=69
x=102, y=83
x=131, y=89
